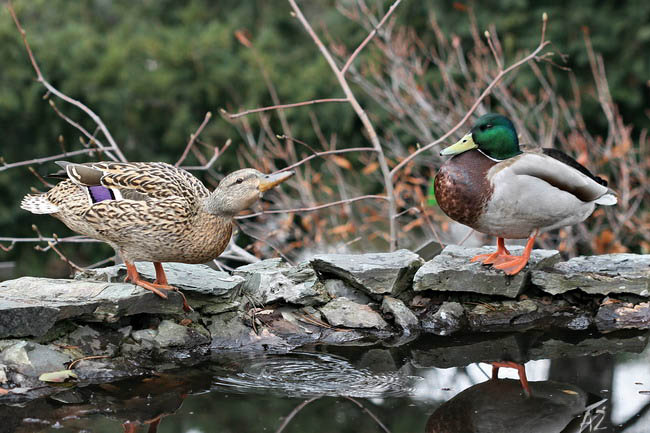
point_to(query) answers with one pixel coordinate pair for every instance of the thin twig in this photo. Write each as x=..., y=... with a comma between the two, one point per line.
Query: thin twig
x=54, y=157
x=280, y=107
x=70, y=239
x=273, y=247
x=369, y=37
x=86, y=358
x=363, y=116
x=83, y=130
x=217, y=153
x=329, y=152
x=293, y=413
x=366, y=410
x=193, y=137
x=478, y=101
x=41, y=79
x=313, y=208
x=62, y=256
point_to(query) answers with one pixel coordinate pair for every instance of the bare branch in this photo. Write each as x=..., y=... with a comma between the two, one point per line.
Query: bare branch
x=83, y=130
x=54, y=157
x=293, y=413
x=193, y=138
x=52, y=245
x=329, y=152
x=280, y=107
x=217, y=153
x=50, y=88
x=315, y=208
x=372, y=134
x=69, y=239
x=488, y=89
x=369, y=37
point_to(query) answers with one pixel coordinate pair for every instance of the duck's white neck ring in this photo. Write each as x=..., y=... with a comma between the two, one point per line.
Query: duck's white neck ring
x=489, y=157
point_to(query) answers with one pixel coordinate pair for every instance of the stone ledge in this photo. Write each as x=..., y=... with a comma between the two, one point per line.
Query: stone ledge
x=334, y=300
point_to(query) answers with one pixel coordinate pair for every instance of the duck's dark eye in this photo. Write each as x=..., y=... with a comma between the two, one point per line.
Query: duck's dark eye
x=486, y=126
x=239, y=180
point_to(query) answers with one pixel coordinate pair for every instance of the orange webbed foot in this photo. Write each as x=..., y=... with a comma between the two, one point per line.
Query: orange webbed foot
x=521, y=369
x=159, y=287
x=500, y=255
x=514, y=266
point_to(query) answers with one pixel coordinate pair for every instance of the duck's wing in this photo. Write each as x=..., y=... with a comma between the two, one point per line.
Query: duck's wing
x=128, y=199
x=568, y=160
x=147, y=179
x=562, y=172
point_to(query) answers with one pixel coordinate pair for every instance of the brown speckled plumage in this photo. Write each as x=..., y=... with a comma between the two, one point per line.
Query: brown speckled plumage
x=162, y=213
x=462, y=188
x=152, y=211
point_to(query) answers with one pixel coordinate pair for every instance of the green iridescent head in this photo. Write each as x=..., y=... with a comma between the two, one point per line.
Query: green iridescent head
x=492, y=134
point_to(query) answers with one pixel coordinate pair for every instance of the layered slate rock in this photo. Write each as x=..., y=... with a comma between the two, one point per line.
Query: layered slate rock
x=449, y=319
x=452, y=271
x=374, y=273
x=343, y=312
x=31, y=306
x=403, y=316
x=274, y=280
x=614, y=315
x=199, y=279
x=597, y=275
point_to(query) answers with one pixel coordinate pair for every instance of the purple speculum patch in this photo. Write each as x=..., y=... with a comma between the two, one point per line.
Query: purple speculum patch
x=100, y=193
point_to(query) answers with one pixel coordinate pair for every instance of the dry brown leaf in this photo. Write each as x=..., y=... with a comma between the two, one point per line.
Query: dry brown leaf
x=243, y=36
x=370, y=168
x=410, y=226
x=342, y=229
x=342, y=162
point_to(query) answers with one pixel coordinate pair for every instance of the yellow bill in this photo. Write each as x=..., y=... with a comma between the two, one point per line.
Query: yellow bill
x=271, y=180
x=463, y=145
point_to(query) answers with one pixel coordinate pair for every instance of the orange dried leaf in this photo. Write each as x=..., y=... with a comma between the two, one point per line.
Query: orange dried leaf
x=342, y=229
x=342, y=162
x=370, y=168
x=243, y=36
x=415, y=223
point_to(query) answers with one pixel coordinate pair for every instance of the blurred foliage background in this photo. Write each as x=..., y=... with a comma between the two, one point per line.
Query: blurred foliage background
x=152, y=69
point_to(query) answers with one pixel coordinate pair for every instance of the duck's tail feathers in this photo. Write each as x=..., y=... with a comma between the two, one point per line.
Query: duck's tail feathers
x=607, y=200
x=38, y=204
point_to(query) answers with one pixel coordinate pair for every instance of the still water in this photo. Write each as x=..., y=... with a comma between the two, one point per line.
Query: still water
x=578, y=385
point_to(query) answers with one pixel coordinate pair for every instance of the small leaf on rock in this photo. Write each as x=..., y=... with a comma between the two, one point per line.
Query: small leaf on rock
x=58, y=376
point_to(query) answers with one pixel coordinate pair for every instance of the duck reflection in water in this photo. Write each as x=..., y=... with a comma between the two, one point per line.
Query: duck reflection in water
x=502, y=406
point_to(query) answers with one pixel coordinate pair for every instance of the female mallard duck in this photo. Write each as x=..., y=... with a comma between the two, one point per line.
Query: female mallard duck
x=495, y=188
x=152, y=211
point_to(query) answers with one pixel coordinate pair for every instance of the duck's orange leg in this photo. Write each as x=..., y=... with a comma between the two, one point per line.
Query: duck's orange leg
x=158, y=286
x=500, y=255
x=517, y=263
x=519, y=367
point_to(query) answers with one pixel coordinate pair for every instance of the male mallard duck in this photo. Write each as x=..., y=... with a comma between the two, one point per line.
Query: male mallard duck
x=151, y=211
x=495, y=188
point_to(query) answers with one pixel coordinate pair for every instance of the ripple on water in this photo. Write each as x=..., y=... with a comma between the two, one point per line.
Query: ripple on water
x=313, y=374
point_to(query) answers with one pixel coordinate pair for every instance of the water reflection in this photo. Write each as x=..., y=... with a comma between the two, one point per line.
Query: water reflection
x=498, y=406
x=414, y=388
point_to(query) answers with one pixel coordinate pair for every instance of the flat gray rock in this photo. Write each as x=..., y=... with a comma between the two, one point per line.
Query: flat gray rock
x=374, y=273
x=600, y=275
x=403, y=316
x=614, y=315
x=449, y=318
x=452, y=270
x=343, y=312
x=33, y=359
x=31, y=306
x=200, y=279
x=274, y=280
